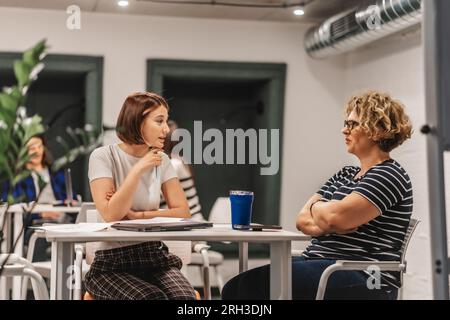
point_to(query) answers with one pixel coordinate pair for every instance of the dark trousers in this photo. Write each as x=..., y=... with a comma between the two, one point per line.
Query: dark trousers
x=306, y=273
x=41, y=247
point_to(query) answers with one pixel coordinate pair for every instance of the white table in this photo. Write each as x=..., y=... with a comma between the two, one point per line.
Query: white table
x=17, y=208
x=14, y=216
x=280, y=252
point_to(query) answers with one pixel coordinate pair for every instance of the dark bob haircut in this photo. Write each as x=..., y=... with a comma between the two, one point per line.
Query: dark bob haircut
x=134, y=110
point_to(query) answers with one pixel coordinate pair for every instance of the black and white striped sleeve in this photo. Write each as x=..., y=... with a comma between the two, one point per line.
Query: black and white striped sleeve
x=330, y=182
x=382, y=187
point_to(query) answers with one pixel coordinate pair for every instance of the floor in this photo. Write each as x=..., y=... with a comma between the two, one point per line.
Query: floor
x=228, y=269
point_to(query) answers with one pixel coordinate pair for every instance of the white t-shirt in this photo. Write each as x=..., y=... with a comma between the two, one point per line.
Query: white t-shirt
x=46, y=195
x=112, y=162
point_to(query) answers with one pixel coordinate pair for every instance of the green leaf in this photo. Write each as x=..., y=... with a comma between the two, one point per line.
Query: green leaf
x=22, y=161
x=22, y=72
x=63, y=143
x=23, y=153
x=10, y=165
x=32, y=127
x=21, y=176
x=3, y=143
x=20, y=133
x=58, y=164
x=15, y=93
x=5, y=122
x=18, y=199
x=5, y=167
x=73, y=136
x=10, y=199
x=30, y=58
x=39, y=48
x=14, y=146
x=84, y=136
x=8, y=102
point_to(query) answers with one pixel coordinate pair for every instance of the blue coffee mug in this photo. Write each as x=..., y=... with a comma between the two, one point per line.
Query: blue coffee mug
x=241, y=208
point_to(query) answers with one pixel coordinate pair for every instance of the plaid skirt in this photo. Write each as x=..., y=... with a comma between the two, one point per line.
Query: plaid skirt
x=146, y=271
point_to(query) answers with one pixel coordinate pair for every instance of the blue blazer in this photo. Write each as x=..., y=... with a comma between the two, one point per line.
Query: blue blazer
x=26, y=188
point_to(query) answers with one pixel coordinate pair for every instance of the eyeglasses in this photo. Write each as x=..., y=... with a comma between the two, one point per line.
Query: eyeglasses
x=350, y=124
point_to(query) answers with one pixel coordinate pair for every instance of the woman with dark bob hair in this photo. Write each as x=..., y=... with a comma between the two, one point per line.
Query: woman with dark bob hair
x=361, y=213
x=126, y=181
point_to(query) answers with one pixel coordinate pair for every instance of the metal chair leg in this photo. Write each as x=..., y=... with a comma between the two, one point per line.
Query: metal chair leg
x=39, y=287
x=219, y=278
x=206, y=282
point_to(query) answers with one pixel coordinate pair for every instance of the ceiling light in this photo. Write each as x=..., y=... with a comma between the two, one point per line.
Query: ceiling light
x=123, y=3
x=298, y=10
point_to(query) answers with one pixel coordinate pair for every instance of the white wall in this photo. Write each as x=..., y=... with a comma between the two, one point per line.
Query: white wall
x=313, y=103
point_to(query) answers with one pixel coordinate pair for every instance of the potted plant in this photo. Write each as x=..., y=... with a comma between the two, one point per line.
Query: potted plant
x=16, y=128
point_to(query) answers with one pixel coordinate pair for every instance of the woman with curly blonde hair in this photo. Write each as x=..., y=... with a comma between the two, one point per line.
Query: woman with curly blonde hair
x=360, y=213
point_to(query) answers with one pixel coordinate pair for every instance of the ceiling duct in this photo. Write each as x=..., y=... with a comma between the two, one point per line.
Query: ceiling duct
x=362, y=25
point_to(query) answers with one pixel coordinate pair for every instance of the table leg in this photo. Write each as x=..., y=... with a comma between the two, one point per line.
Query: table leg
x=243, y=256
x=5, y=283
x=6, y=222
x=280, y=271
x=61, y=281
x=18, y=250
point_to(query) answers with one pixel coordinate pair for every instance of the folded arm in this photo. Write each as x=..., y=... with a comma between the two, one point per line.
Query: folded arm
x=114, y=205
x=174, y=195
x=344, y=215
x=305, y=223
x=176, y=201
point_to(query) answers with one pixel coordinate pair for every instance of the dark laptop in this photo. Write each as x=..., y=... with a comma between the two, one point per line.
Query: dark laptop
x=164, y=226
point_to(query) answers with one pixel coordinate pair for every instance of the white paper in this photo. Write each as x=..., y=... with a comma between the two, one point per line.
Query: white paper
x=78, y=227
x=156, y=220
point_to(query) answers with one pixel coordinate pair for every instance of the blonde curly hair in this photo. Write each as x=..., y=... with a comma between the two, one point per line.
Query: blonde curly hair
x=382, y=118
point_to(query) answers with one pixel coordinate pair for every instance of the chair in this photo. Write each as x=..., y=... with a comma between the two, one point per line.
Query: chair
x=18, y=266
x=207, y=259
x=44, y=267
x=363, y=265
x=221, y=211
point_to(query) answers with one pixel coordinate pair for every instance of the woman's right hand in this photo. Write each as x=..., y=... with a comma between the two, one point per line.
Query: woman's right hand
x=149, y=161
x=109, y=194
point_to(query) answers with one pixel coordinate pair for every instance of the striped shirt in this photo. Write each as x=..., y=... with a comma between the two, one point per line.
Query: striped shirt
x=388, y=187
x=188, y=185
